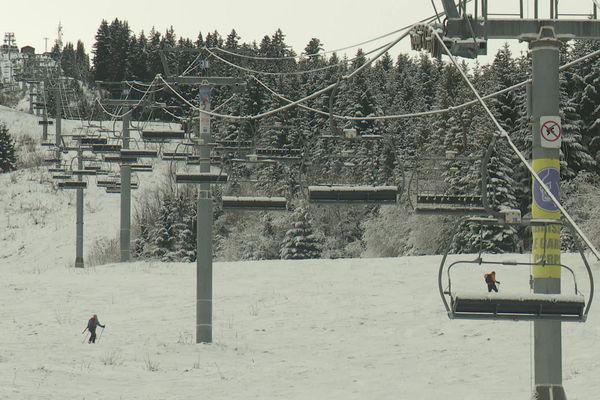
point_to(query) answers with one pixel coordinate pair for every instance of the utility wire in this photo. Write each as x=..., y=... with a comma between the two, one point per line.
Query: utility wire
x=505, y=134
x=430, y=112
x=324, y=68
x=333, y=85
x=425, y=20
x=131, y=108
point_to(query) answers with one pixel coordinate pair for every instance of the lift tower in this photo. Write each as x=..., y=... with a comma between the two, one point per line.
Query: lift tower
x=466, y=31
x=204, y=215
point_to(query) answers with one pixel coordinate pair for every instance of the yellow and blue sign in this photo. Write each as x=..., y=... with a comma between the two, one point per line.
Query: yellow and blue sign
x=546, y=239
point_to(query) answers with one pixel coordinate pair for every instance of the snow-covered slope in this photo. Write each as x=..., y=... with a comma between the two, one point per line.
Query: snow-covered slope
x=335, y=329
x=314, y=329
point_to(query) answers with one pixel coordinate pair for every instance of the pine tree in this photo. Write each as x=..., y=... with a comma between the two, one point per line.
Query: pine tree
x=8, y=160
x=68, y=62
x=300, y=242
x=82, y=61
x=101, y=51
x=312, y=50
x=575, y=156
x=164, y=238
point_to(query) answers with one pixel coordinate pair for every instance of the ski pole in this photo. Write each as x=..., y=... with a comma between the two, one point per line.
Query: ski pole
x=84, y=338
x=100, y=335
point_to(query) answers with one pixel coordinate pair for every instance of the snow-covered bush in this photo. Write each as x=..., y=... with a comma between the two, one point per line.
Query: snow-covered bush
x=301, y=241
x=395, y=231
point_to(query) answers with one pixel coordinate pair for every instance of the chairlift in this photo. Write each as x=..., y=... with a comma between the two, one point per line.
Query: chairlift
x=433, y=195
x=521, y=307
x=123, y=160
x=141, y=167
x=72, y=185
x=161, y=136
x=138, y=153
x=106, y=148
x=84, y=172
x=63, y=176
x=91, y=140
x=108, y=182
x=201, y=178
x=241, y=179
x=348, y=166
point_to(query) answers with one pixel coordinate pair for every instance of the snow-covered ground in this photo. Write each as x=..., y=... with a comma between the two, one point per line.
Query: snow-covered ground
x=315, y=329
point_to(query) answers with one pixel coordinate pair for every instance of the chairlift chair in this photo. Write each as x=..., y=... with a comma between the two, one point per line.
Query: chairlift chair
x=521, y=307
x=328, y=189
x=161, y=136
x=432, y=194
x=242, y=175
x=72, y=185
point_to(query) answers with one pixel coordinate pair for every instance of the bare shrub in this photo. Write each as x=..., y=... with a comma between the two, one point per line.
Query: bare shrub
x=112, y=357
x=104, y=251
x=150, y=364
x=29, y=154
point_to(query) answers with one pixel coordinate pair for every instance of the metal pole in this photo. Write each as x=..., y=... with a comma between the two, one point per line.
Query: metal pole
x=521, y=9
x=45, y=123
x=58, y=139
x=204, y=231
x=546, y=247
x=31, y=98
x=125, y=237
x=79, y=220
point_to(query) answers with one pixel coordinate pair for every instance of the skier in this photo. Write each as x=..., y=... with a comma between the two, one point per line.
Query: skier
x=91, y=326
x=491, y=281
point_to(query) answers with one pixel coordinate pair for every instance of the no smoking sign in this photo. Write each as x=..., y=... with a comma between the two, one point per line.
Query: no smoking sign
x=550, y=132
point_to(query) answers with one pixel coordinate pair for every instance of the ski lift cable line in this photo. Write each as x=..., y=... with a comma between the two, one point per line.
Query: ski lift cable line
x=430, y=112
x=348, y=118
x=215, y=109
x=253, y=71
x=505, y=134
x=142, y=91
x=192, y=65
x=333, y=85
x=118, y=116
x=425, y=20
x=196, y=108
x=172, y=115
x=297, y=102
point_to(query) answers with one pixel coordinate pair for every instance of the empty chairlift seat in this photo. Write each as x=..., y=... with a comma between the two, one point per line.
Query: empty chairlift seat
x=162, y=136
x=254, y=203
x=200, y=178
x=353, y=194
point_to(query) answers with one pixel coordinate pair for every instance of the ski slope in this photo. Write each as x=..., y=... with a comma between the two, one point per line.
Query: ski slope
x=313, y=329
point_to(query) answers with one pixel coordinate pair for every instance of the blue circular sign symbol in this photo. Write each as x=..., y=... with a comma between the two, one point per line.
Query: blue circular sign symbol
x=551, y=178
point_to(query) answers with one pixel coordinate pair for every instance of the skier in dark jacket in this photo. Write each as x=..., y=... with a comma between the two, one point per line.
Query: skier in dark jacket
x=91, y=326
x=491, y=281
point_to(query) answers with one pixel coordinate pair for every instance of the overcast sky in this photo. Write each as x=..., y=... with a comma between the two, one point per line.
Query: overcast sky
x=337, y=23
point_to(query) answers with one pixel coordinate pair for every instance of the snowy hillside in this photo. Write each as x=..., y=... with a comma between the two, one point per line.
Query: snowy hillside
x=315, y=329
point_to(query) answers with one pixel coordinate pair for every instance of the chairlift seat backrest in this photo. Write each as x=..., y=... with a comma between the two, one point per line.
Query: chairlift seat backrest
x=158, y=136
x=449, y=199
x=254, y=203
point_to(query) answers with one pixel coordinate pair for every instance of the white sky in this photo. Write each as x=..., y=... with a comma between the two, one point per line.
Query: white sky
x=338, y=23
